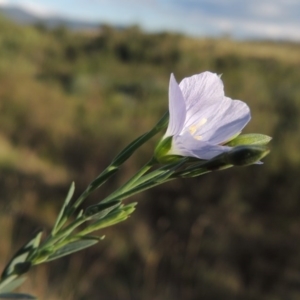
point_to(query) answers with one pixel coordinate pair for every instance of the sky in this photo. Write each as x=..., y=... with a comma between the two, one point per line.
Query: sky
x=255, y=19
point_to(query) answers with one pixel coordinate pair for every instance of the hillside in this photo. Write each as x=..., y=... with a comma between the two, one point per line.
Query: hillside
x=70, y=101
x=19, y=15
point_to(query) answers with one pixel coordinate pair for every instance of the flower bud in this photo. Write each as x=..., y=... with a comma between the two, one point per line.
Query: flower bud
x=246, y=155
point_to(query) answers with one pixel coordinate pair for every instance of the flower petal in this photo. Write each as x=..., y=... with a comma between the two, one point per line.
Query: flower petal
x=219, y=122
x=201, y=90
x=177, y=108
x=186, y=145
x=210, y=115
x=230, y=120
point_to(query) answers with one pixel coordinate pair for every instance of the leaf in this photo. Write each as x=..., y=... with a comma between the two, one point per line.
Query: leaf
x=22, y=254
x=35, y=241
x=63, y=209
x=151, y=176
x=79, y=214
x=137, y=143
x=250, y=139
x=130, y=208
x=72, y=247
x=102, y=178
x=10, y=283
x=114, y=217
x=100, y=210
x=16, y=296
x=17, y=259
x=21, y=268
x=130, y=149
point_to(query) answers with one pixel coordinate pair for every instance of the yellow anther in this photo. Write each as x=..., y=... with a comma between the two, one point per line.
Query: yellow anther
x=193, y=129
x=202, y=122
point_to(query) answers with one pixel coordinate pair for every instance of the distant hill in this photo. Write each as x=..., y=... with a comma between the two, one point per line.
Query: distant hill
x=22, y=16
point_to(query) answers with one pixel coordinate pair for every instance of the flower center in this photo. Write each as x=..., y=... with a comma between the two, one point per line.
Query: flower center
x=194, y=128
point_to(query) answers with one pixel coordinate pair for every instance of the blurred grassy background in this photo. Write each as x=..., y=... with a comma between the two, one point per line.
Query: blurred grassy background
x=70, y=101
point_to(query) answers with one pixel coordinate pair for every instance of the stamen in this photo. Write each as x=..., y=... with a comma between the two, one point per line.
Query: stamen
x=193, y=129
x=198, y=137
x=202, y=122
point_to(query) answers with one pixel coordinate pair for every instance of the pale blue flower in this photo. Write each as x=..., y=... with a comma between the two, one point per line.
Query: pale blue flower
x=202, y=118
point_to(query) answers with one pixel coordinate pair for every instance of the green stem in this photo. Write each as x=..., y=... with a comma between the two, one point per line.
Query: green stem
x=61, y=234
x=131, y=182
x=141, y=183
x=118, y=161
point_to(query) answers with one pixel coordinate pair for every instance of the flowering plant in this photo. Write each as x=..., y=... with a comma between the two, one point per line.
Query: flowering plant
x=202, y=118
x=203, y=129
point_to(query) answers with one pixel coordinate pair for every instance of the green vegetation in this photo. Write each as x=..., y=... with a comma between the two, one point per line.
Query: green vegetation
x=69, y=102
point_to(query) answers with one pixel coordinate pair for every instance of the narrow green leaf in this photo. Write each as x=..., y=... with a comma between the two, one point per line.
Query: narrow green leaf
x=22, y=254
x=63, y=209
x=17, y=296
x=11, y=283
x=151, y=176
x=62, y=235
x=145, y=185
x=11, y=265
x=76, y=246
x=35, y=241
x=137, y=143
x=130, y=149
x=100, y=210
x=130, y=208
x=21, y=268
x=114, y=217
x=41, y=255
x=109, y=220
x=80, y=214
x=147, y=181
x=5, y=282
x=95, y=184
x=102, y=178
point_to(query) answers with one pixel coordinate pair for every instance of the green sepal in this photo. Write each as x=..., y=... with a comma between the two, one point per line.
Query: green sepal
x=162, y=149
x=250, y=139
